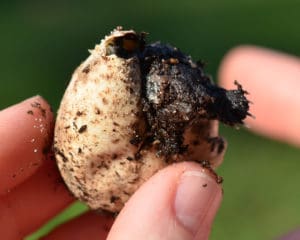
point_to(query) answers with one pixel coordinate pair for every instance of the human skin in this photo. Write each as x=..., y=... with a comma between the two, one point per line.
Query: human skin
x=173, y=204
x=273, y=81
x=179, y=202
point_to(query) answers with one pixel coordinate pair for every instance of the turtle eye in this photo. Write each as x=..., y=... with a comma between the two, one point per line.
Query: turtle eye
x=130, y=45
x=130, y=42
x=124, y=46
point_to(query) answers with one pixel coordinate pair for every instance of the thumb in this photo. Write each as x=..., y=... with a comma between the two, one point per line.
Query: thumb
x=179, y=202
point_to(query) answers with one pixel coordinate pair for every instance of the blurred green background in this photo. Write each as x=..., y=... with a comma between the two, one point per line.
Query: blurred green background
x=41, y=42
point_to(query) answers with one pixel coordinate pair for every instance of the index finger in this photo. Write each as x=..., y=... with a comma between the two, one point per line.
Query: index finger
x=273, y=81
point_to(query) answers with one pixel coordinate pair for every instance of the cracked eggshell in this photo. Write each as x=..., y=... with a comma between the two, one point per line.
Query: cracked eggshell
x=99, y=114
x=99, y=117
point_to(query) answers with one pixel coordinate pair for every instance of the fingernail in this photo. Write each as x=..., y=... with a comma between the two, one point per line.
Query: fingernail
x=197, y=193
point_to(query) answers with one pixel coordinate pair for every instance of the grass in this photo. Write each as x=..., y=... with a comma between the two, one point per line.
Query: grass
x=42, y=42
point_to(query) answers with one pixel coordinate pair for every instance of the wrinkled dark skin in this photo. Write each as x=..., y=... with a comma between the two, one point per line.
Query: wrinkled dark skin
x=176, y=94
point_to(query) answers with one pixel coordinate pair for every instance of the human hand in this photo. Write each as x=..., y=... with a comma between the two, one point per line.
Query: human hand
x=179, y=202
x=273, y=81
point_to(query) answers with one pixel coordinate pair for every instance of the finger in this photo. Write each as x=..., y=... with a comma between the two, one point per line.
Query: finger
x=33, y=202
x=291, y=236
x=90, y=225
x=25, y=131
x=273, y=81
x=179, y=202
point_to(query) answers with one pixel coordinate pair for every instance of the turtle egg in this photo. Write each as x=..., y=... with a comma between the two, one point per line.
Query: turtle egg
x=132, y=108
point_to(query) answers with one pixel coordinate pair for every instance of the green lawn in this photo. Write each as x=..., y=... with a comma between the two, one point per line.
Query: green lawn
x=42, y=42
